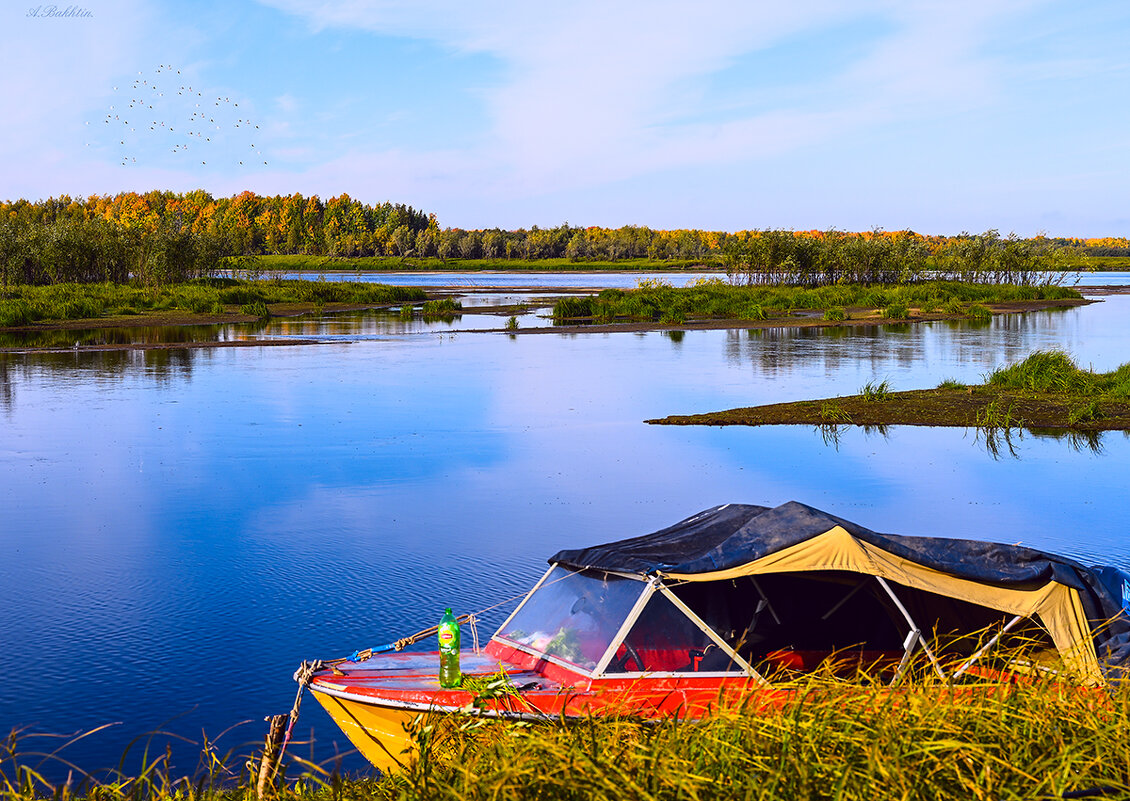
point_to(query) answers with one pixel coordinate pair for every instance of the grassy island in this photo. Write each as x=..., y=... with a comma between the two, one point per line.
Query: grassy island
x=715, y=299
x=200, y=300
x=1045, y=391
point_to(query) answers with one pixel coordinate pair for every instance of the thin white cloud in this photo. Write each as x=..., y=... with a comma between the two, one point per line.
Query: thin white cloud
x=286, y=103
x=59, y=71
x=584, y=99
x=597, y=91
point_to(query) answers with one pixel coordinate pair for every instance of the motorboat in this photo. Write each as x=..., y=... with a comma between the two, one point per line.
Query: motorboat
x=742, y=601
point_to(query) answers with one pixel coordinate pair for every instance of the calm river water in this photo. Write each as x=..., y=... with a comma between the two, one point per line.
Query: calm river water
x=181, y=528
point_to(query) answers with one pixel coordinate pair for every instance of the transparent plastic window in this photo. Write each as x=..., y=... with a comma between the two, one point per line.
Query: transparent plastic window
x=574, y=615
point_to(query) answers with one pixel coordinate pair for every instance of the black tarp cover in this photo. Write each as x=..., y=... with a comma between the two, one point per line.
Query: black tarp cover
x=732, y=535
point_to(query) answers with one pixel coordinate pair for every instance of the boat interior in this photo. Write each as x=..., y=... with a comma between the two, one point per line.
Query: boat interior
x=771, y=626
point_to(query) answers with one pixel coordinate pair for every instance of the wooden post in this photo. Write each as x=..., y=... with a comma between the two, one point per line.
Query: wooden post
x=271, y=748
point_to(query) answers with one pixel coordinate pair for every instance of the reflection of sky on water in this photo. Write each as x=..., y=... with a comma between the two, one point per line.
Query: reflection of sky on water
x=477, y=281
x=171, y=513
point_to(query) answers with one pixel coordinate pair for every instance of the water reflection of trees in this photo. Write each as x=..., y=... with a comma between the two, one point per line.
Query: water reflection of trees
x=6, y=381
x=997, y=441
x=162, y=365
x=1001, y=441
x=777, y=352
x=102, y=337
x=780, y=352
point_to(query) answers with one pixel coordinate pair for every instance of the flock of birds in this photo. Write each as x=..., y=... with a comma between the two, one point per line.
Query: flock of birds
x=161, y=112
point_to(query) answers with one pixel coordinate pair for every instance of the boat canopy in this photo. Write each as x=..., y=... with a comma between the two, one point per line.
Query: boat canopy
x=799, y=566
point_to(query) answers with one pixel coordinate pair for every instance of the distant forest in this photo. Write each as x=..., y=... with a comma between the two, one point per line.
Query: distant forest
x=158, y=237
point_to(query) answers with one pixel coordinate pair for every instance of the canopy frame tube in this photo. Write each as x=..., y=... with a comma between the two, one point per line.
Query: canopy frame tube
x=914, y=627
x=764, y=597
x=968, y=663
x=851, y=593
x=655, y=584
x=529, y=595
x=746, y=667
x=636, y=608
x=625, y=627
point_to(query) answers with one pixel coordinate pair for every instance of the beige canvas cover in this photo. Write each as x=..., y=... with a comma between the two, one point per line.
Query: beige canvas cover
x=1056, y=606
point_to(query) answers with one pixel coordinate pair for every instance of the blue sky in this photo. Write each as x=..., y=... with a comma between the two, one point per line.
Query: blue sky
x=935, y=116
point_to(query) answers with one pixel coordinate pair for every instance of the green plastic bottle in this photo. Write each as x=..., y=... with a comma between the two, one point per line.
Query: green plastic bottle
x=449, y=673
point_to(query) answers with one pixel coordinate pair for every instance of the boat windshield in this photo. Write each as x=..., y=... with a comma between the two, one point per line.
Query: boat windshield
x=573, y=616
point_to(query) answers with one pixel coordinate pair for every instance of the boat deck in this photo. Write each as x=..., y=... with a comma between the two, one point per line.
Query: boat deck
x=411, y=681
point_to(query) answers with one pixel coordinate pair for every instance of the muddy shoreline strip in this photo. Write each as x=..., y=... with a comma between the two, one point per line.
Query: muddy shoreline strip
x=971, y=407
x=859, y=317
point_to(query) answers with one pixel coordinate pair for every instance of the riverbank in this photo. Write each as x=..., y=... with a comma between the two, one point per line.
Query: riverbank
x=1046, y=391
x=25, y=307
x=433, y=264
x=327, y=264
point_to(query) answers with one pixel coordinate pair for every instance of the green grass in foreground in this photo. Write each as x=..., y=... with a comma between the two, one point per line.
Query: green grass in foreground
x=22, y=304
x=835, y=740
x=717, y=299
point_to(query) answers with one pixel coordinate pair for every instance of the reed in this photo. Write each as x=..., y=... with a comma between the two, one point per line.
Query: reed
x=978, y=311
x=897, y=311
x=831, y=742
x=824, y=737
x=257, y=309
x=872, y=391
x=570, y=308
x=1053, y=371
x=952, y=383
x=443, y=309
x=833, y=413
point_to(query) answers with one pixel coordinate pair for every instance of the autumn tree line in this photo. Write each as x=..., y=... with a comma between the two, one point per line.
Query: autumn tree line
x=824, y=258
x=163, y=237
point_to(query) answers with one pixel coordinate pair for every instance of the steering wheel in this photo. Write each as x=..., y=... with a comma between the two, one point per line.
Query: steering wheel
x=621, y=663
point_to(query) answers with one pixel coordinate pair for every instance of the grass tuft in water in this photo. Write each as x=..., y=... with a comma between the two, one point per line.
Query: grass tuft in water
x=1052, y=371
x=446, y=309
x=978, y=311
x=1085, y=413
x=897, y=311
x=952, y=383
x=994, y=415
x=832, y=412
x=569, y=309
x=872, y=391
x=257, y=309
